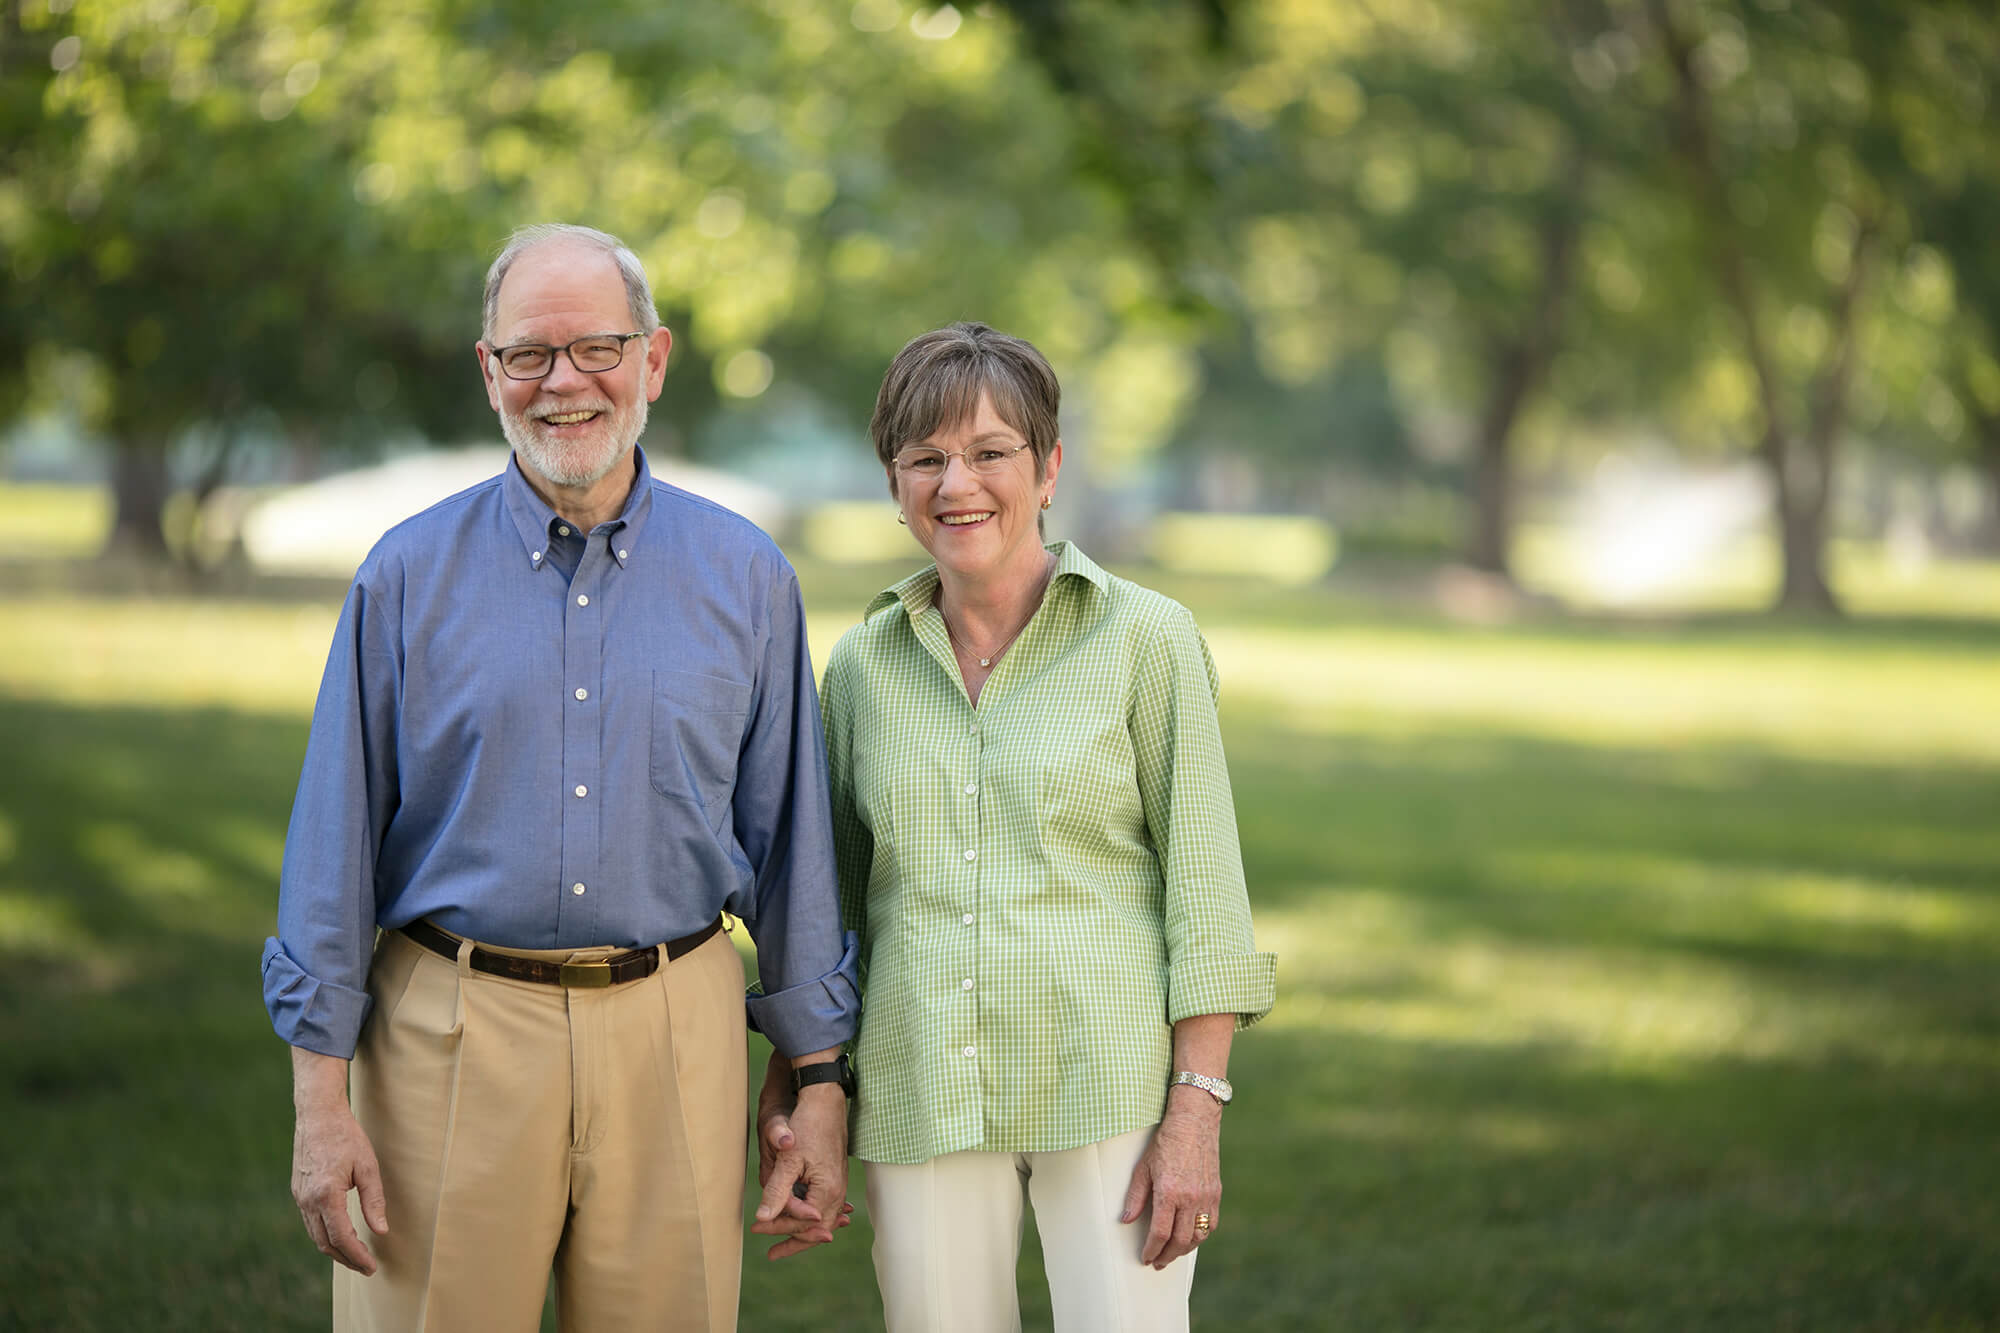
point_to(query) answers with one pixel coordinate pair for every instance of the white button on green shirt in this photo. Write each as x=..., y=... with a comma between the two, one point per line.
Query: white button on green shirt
x=1044, y=883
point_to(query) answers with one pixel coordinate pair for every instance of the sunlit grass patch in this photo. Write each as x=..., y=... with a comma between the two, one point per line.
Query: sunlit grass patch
x=1628, y=978
x=1809, y=694
x=1280, y=548
x=52, y=521
x=179, y=651
x=37, y=923
x=1869, y=577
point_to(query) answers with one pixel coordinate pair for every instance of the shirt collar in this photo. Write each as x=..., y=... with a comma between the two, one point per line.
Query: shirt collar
x=534, y=519
x=919, y=591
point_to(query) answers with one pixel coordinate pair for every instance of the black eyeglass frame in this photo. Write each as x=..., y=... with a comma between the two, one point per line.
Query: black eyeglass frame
x=500, y=354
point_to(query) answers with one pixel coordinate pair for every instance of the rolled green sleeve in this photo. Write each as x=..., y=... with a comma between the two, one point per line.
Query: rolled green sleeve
x=1244, y=984
x=1212, y=963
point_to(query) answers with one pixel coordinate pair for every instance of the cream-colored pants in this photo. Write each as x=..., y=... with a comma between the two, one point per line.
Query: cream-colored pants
x=525, y=1128
x=948, y=1238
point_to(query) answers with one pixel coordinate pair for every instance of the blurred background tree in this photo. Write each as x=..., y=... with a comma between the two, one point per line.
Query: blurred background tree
x=1311, y=249
x=1638, y=966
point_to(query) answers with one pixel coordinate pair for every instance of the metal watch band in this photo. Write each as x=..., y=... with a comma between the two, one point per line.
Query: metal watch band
x=1217, y=1088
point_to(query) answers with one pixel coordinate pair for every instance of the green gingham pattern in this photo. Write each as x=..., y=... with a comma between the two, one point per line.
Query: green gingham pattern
x=1044, y=883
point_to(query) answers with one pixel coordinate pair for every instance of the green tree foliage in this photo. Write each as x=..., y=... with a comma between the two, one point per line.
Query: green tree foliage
x=1287, y=230
x=1801, y=132
x=1952, y=281
x=278, y=210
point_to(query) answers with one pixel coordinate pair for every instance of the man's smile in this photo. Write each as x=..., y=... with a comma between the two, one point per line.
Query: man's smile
x=574, y=417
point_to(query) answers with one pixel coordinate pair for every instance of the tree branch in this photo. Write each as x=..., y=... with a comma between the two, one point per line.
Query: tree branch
x=1697, y=145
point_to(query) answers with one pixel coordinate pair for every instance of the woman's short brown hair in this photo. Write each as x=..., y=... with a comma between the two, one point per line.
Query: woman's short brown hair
x=935, y=382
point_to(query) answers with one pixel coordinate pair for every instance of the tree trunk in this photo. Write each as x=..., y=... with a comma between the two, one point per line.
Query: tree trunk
x=1804, y=513
x=139, y=489
x=1493, y=476
x=1519, y=365
x=1803, y=586
x=1986, y=536
x=1800, y=464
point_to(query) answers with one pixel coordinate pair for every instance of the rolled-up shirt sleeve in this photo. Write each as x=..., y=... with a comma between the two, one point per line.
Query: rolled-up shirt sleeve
x=808, y=996
x=1213, y=966
x=316, y=968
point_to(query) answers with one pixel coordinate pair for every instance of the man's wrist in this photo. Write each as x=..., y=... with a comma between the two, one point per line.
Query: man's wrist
x=836, y=1071
x=319, y=1082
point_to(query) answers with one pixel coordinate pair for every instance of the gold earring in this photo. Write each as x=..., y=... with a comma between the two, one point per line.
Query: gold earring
x=1046, y=500
x=900, y=519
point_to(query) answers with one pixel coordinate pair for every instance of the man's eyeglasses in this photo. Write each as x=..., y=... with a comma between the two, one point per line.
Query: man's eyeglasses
x=593, y=354
x=926, y=464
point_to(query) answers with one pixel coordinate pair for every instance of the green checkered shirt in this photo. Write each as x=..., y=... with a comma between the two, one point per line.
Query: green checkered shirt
x=1043, y=883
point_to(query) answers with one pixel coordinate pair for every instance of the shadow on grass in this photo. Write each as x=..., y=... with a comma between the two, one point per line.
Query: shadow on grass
x=1431, y=1185
x=146, y=1100
x=1377, y=1179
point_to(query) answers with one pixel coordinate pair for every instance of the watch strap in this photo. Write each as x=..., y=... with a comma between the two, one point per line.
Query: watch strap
x=837, y=1070
x=1218, y=1088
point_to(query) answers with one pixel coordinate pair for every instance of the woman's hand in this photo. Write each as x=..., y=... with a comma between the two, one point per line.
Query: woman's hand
x=789, y=1210
x=1181, y=1174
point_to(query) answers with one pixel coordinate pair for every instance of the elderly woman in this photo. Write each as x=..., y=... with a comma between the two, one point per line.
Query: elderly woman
x=1038, y=849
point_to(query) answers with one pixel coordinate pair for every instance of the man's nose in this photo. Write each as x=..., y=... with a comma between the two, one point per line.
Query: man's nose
x=564, y=377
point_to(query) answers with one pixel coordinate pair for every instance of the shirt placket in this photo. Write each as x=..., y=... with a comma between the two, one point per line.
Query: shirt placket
x=582, y=743
x=964, y=974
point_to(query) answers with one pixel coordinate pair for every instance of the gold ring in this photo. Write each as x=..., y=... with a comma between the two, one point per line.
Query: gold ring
x=1203, y=1223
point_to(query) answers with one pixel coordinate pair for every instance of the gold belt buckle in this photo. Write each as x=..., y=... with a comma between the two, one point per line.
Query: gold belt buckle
x=589, y=976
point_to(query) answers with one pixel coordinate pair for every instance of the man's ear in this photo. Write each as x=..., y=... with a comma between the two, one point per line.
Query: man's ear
x=658, y=344
x=489, y=372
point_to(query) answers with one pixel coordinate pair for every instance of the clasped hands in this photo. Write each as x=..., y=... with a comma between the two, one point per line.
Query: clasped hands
x=802, y=1165
x=801, y=1161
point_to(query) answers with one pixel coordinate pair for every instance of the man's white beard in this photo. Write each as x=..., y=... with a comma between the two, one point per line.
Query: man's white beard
x=581, y=461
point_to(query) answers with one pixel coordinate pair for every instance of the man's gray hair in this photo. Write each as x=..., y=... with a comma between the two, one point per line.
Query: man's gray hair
x=638, y=291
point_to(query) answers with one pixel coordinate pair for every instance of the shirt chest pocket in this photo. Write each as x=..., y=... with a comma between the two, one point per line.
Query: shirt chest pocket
x=698, y=724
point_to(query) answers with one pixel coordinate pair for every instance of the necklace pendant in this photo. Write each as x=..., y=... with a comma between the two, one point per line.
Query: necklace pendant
x=986, y=661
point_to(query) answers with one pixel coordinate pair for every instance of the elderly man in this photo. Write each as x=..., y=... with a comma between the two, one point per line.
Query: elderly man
x=568, y=720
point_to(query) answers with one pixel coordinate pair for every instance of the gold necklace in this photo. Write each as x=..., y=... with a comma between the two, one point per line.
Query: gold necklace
x=989, y=659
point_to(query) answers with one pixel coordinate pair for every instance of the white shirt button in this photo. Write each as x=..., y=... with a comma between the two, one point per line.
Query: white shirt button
x=965, y=920
x=582, y=599
x=561, y=531
x=536, y=556
x=576, y=889
x=971, y=1051
x=972, y=728
x=623, y=554
x=971, y=855
x=582, y=694
x=972, y=789
x=966, y=984
x=582, y=791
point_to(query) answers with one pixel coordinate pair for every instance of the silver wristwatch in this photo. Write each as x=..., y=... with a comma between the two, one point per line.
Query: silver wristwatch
x=1217, y=1088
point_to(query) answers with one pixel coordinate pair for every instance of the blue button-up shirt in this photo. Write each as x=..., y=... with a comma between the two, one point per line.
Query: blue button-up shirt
x=544, y=739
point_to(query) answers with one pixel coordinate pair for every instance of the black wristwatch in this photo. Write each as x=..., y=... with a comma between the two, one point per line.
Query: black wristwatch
x=836, y=1070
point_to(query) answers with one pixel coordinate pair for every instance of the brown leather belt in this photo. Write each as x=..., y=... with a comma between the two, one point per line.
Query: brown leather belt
x=619, y=968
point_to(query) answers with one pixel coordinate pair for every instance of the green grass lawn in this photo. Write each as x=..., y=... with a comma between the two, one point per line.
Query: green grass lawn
x=1631, y=978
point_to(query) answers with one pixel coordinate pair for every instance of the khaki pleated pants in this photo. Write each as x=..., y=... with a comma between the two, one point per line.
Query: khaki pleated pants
x=524, y=1128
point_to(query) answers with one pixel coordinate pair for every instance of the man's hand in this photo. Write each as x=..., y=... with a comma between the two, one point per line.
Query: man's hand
x=331, y=1155
x=801, y=1161
x=1182, y=1174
